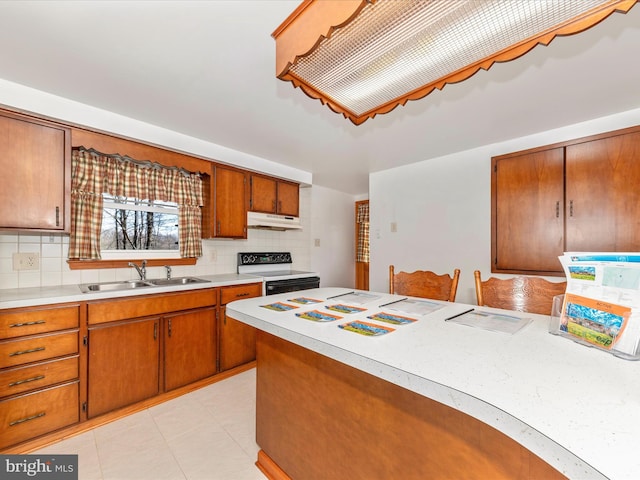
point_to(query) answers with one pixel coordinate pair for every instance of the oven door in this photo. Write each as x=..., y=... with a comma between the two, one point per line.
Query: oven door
x=291, y=285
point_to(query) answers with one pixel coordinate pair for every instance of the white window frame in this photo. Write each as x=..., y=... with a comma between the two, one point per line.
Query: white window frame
x=158, y=207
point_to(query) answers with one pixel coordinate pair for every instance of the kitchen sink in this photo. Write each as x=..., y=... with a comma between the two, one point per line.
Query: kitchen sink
x=163, y=282
x=110, y=286
x=134, y=284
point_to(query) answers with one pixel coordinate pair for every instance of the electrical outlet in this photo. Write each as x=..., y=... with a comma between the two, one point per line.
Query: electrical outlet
x=213, y=255
x=316, y=242
x=26, y=261
x=394, y=227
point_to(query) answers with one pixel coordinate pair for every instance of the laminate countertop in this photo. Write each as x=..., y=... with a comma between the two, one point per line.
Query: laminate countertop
x=575, y=407
x=30, y=297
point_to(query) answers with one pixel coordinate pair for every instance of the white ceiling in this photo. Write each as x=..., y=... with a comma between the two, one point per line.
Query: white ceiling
x=206, y=69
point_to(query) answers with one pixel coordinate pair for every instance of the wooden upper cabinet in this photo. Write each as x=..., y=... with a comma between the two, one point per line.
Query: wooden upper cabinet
x=603, y=194
x=580, y=195
x=35, y=158
x=270, y=195
x=528, y=211
x=288, y=198
x=264, y=193
x=229, y=203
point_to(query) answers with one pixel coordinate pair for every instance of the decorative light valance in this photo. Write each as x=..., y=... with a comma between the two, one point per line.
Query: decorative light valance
x=365, y=57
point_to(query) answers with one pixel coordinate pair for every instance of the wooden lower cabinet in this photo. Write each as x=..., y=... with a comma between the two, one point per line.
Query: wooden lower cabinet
x=237, y=339
x=64, y=364
x=39, y=371
x=237, y=342
x=124, y=364
x=37, y=413
x=170, y=341
x=189, y=347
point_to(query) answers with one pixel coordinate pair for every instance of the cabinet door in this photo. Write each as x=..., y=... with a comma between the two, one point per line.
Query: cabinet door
x=603, y=198
x=237, y=342
x=264, y=193
x=230, y=219
x=190, y=347
x=123, y=364
x=35, y=161
x=288, y=198
x=527, y=212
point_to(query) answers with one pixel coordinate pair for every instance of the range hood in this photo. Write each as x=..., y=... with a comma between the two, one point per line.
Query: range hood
x=270, y=221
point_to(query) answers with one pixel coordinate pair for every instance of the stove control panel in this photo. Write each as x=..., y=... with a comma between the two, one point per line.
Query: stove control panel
x=264, y=258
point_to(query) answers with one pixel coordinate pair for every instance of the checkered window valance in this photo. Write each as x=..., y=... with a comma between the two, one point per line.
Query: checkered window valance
x=94, y=173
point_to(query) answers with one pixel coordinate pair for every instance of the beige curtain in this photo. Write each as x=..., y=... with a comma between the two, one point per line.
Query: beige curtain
x=362, y=219
x=95, y=173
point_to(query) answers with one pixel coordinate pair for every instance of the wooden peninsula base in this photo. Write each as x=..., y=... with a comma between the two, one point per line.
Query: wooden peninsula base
x=320, y=419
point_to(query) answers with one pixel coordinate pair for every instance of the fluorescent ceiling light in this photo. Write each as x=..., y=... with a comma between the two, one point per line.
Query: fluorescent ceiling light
x=365, y=57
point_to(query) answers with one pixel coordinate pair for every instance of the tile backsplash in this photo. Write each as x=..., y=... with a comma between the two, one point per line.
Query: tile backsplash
x=219, y=256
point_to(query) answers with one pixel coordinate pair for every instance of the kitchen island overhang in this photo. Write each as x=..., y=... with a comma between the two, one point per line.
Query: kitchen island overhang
x=535, y=388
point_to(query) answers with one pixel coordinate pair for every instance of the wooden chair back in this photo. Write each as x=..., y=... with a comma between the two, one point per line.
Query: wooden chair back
x=524, y=294
x=424, y=284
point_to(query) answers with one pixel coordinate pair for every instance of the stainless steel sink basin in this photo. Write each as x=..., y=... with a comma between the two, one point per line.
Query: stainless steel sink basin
x=163, y=282
x=132, y=284
x=111, y=286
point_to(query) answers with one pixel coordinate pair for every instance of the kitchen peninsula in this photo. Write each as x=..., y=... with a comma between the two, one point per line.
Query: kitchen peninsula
x=433, y=398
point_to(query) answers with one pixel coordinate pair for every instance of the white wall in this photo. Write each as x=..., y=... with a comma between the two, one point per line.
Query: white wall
x=441, y=208
x=332, y=226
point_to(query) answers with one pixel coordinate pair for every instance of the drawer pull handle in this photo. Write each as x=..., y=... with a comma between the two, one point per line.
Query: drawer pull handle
x=26, y=419
x=26, y=324
x=243, y=294
x=26, y=380
x=22, y=352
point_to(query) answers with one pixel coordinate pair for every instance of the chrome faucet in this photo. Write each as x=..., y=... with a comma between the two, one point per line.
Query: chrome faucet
x=142, y=271
x=168, y=272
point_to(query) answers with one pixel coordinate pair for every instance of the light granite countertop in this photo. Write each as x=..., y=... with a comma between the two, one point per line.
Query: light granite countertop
x=576, y=407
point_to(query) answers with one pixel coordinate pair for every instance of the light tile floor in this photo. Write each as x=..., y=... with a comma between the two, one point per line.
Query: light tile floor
x=208, y=434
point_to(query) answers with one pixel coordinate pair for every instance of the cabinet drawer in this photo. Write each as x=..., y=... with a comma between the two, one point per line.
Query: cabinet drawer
x=28, y=322
x=34, y=349
x=238, y=292
x=38, y=413
x=149, y=305
x=21, y=379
